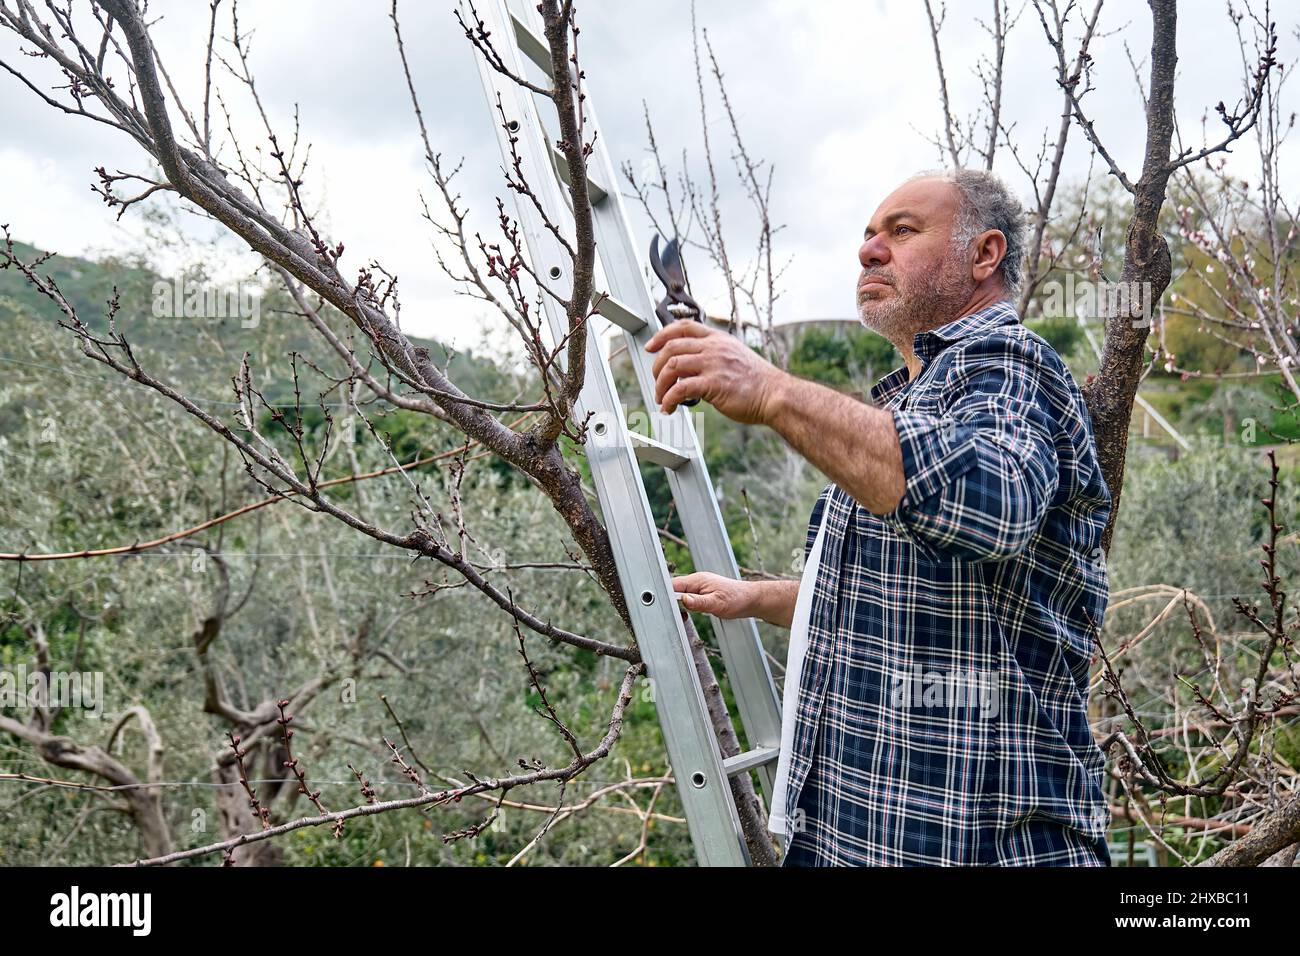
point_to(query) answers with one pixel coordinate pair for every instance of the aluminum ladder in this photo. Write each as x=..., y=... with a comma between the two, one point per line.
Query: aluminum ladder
x=613, y=452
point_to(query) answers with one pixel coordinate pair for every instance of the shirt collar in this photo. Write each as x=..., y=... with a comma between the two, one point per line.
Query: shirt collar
x=931, y=342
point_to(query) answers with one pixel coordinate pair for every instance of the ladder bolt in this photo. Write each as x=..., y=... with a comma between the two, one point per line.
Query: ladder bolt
x=556, y=272
x=599, y=428
x=513, y=126
x=647, y=598
x=698, y=780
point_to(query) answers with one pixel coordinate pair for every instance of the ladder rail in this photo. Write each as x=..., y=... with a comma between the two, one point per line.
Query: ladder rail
x=702, y=780
x=742, y=650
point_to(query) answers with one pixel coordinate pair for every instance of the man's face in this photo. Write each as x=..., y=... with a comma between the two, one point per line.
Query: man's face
x=912, y=276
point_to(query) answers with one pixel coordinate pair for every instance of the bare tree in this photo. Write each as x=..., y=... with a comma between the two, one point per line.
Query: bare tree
x=753, y=288
x=961, y=140
x=1147, y=262
x=113, y=74
x=1239, y=285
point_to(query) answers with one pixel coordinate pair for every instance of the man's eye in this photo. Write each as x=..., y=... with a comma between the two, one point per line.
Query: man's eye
x=899, y=229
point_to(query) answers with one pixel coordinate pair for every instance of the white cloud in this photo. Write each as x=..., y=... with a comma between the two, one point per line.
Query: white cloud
x=835, y=93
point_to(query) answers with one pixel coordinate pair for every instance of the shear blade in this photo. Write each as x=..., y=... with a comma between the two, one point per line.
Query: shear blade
x=668, y=264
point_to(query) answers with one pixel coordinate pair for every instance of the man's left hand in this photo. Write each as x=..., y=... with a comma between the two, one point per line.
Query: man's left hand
x=695, y=361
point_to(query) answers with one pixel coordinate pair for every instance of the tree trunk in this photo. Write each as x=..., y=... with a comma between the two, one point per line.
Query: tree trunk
x=1111, y=393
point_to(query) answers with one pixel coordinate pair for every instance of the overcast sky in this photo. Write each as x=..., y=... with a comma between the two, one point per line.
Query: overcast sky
x=840, y=95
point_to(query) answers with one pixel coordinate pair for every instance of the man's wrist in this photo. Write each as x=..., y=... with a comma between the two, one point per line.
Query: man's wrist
x=758, y=599
x=778, y=396
x=773, y=601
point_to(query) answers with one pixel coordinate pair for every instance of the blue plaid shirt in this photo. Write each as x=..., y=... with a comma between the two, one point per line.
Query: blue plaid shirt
x=942, y=707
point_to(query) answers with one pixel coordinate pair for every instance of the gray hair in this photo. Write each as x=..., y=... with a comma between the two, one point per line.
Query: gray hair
x=987, y=203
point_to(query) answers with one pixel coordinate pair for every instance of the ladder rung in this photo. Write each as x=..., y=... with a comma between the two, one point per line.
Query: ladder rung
x=750, y=759
x=657, y=453
x=595, y=190
x=531, y=45
x=537, y=50
x=618, y=313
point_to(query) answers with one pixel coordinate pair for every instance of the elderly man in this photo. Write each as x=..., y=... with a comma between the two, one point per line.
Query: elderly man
x=940, y=713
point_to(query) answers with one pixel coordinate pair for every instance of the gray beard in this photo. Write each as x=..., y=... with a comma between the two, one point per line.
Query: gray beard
x=930, y=302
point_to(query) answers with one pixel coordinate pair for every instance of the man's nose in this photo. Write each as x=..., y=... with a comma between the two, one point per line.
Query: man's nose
x=873, y=252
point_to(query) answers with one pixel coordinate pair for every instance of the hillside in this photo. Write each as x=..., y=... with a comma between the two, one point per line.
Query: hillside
x=148, y=319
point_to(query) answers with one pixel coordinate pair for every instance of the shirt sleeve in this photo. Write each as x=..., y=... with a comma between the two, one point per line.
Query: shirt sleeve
x=981, y=474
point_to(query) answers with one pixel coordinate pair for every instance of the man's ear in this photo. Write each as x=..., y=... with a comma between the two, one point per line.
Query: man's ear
x=990, y=247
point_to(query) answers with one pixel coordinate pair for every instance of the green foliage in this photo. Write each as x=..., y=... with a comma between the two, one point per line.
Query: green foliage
x=841, y=356
x=1063, y=334
x=125, y=465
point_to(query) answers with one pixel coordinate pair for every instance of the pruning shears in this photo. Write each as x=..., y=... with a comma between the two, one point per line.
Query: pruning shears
x=668, y=267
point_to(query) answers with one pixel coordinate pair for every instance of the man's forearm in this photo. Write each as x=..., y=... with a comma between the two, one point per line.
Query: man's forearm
x=852, y=443
x=774, y=601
